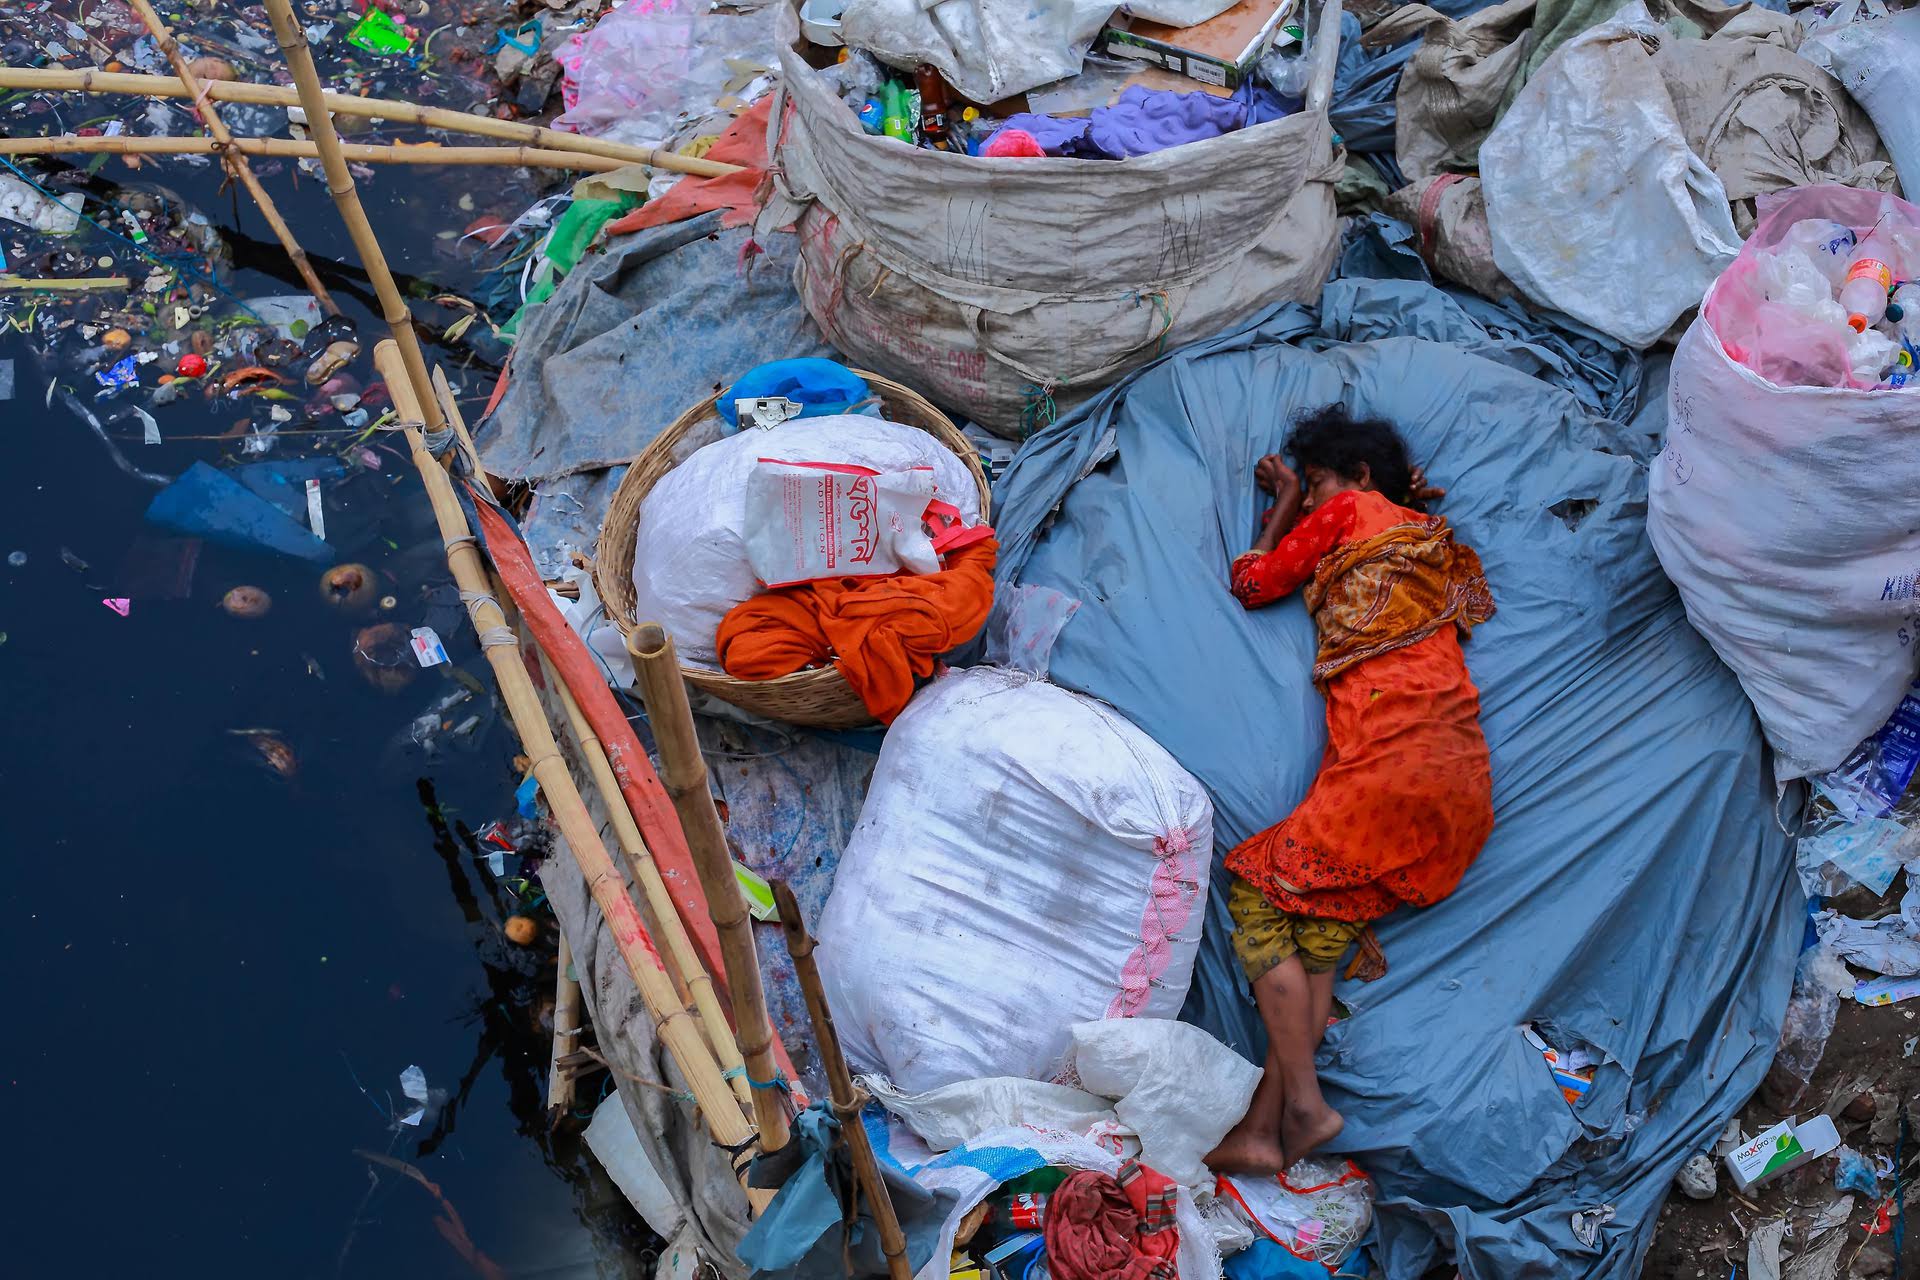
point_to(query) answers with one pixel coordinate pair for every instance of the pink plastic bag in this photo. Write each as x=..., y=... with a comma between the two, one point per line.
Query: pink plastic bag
x=636, y=72
x=1773, y=340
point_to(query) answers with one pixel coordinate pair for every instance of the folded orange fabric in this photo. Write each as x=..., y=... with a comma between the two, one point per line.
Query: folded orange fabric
x=883, y=633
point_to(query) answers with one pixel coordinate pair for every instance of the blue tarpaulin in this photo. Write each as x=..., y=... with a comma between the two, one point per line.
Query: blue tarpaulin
x=1635, y=895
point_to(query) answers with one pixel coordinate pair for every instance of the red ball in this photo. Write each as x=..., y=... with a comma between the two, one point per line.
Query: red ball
x=191, y=365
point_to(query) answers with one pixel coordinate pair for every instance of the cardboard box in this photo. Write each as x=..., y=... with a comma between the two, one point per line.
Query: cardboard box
x=1784, y=1147
x=1220, y=51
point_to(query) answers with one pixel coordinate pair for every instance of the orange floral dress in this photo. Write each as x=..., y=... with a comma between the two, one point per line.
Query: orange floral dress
x=1404, y=798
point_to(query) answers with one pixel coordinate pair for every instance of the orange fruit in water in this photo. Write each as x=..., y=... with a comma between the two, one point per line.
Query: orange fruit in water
x=522, y=929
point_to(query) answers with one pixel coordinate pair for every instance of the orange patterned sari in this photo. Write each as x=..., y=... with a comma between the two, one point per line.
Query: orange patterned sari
x=1404, y=797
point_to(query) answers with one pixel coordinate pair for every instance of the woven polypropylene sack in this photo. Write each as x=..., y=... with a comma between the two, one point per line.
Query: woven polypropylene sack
x=1010, y=289
x=1025, y=860
x=1784, y=514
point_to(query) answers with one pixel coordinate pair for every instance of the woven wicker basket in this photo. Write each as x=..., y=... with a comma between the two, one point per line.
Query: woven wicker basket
x=820, y=697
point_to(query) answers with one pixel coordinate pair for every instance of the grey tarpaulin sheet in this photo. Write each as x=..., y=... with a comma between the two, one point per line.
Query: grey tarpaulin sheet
x=636, y=335
x=1635, y=893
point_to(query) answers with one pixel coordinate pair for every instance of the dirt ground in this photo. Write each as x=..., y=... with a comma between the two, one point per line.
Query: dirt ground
x=1871, y=1068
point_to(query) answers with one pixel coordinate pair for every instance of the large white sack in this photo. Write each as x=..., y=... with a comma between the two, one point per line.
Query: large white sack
x=1013, y=289
x=690, y=556
x=1026, y=859
x=1785, y=516
x=1597, y=206
x=1878, y=60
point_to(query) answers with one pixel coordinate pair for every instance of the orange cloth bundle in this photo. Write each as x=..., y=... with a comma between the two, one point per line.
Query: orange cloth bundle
x=883, y=633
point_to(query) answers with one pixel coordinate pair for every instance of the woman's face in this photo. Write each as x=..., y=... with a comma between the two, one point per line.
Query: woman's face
x=1321, y=483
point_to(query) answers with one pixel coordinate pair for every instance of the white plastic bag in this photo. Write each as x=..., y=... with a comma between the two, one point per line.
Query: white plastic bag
x=1175, y=1087
x=1320, y=1208
x=1596, y=205
x=690, y=563
x=636, y=74
x=809, y=520
x=1784, y=514
x=1025, y=860
x=1878, y=60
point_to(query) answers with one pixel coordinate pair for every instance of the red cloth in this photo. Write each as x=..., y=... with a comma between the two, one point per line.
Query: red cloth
x=745, y=144
x=882, y=633
x=1097, y=1229
x=1404, y=798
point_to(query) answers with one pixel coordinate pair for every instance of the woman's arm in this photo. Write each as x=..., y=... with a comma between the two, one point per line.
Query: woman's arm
x=1289, y=548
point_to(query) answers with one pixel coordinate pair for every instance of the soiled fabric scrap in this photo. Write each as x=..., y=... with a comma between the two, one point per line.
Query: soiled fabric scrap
x=1141, y=122
x=882, y=633
x=1100, y=1228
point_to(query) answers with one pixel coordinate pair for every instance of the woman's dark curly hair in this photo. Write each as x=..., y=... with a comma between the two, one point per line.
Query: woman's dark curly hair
x=1334, y=439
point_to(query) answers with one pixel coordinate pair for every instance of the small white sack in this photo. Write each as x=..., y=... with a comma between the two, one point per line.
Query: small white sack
x=1175, y=1086
x=1026, y=860
x=810, y=520
x=1595, y=204
x=690, y=563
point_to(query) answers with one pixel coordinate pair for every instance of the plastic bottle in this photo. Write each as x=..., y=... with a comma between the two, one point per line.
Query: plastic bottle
x=1870, y=275
x=1827, y=244
x=894, y=120
x=1903, y=312
x=936, y=107
x=873, y=116
x=1871, y=354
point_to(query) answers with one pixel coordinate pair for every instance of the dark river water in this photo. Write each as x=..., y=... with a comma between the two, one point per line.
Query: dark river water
x=223, y=970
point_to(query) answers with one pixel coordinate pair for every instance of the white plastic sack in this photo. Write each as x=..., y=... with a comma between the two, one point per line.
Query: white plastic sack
x=987, y=49
x=955, y=1114
x=1025, y=860
x=1320, y=1208
x=1878, y=60
x=611, y=1137
x=1175, y=1087
x=1785, y=517
x=1596, y=205
x=1011, y=289
x=690, y=562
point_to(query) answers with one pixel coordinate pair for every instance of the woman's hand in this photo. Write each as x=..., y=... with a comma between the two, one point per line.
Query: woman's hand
x=1419, y=489
x=1274, y=475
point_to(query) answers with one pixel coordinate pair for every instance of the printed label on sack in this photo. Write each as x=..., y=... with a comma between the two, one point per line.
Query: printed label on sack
x=812, y=520
x=1871, y=269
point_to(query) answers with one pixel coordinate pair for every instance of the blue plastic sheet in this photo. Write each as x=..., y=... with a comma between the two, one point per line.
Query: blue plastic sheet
x=1635, y=894
x=635, y=336
x=211, y=504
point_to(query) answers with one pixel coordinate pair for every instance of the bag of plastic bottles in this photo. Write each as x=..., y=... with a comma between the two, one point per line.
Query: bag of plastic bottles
x=1781, y=506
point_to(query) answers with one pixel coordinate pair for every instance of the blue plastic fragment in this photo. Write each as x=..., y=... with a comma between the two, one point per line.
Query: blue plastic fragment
x=208, y=503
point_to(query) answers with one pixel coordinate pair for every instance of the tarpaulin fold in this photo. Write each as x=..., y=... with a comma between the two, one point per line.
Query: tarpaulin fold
x=1635, y=893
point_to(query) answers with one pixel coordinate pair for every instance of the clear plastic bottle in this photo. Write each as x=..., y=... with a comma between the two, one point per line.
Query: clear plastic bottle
x=1903, y=312
x=1871, y=271
x=1871, y=354
x=1827, y=244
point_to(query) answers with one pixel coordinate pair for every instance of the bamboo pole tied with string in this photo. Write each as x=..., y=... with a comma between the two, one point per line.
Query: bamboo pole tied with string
x=683, y=771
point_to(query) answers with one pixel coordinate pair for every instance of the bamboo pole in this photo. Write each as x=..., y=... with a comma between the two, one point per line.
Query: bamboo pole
x=63, y=284
x=362, y=152
x=292, y=38
x=847, y=1101
x=679, y=948
x=683, y=770
x=236, y=162
x=90, y=80
x=567, y=1025
x=673, y=1026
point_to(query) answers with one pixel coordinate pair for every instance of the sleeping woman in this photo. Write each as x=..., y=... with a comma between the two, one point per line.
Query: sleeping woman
x=1403, y=799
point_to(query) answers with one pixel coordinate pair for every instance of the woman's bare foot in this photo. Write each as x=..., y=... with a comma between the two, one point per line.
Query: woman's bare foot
x=1305, y=1128
x=1247, y=1150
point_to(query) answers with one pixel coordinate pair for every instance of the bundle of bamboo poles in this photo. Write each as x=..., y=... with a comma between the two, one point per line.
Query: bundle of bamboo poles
x=92, y=81
x=365, y=153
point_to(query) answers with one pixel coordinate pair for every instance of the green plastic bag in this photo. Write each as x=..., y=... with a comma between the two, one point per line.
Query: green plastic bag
x=377, y=33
